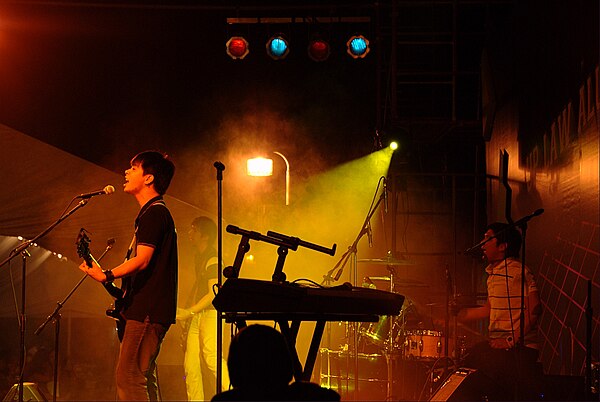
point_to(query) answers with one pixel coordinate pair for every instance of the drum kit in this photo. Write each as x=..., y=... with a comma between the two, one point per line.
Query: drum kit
x=399, y=357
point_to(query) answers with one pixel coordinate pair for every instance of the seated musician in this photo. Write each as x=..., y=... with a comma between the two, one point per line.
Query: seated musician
x=511, y=365
x=260, y=368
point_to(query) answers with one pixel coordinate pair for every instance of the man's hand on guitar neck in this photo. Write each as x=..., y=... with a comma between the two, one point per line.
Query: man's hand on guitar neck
x=95, y=271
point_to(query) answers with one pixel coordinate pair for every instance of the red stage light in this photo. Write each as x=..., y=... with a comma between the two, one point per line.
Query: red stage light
x=237, y=47
x=318, y=50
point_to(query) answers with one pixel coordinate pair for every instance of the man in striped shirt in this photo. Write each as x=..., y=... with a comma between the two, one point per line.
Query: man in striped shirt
x=509, y=363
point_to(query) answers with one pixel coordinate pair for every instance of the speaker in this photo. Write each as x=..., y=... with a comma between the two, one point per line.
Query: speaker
x=31, y=392
x=564, y=388
x=467, y=384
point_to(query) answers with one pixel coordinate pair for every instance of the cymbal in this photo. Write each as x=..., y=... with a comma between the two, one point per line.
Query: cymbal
x=386, y=261
x=398, y=282
x=457, y=305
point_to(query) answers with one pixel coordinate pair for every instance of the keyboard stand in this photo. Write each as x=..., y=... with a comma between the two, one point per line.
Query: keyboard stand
x=290, y=332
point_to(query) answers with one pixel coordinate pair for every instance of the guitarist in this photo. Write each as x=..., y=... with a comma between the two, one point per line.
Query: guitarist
x=149, y=277
x=200, y=361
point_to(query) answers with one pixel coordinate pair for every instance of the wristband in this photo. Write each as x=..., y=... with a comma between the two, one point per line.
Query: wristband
x=109, y=276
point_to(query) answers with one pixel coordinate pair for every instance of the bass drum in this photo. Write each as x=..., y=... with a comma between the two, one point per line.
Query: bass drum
x=335, y=370
x=337, y=373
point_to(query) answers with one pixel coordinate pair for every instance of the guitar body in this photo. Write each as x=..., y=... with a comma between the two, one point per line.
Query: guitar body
x=185, y=328
x=83, y=250
x=114, y=311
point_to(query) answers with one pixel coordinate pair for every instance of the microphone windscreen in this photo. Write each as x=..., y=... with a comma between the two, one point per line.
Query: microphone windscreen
x=109, y=189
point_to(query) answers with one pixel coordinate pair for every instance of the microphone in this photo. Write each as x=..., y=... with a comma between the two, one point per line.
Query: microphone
x=385, y=197
x=527, y=218
x=475, y=252
x=106, y=190
x=370, y=234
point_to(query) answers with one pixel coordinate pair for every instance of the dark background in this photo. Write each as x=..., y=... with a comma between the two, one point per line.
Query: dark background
x=104, y=80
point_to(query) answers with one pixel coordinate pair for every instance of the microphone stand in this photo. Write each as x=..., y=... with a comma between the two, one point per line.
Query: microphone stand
x=55, y=317
x=22, y=249
x=352, y=249
x=351, y=252
x=522, y=224
x=220, y=168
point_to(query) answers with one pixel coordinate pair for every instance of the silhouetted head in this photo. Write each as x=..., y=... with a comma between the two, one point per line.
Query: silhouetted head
x=259, y=358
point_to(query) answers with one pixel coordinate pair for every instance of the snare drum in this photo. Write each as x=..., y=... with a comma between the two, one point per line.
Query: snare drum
x=423, y=344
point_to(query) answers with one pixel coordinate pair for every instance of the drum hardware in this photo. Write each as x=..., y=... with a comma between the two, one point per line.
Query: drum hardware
x=460, y=349
x=382, y=376
x=371, y=281
x=336, y=372
x=408, y=342
x=388, y=260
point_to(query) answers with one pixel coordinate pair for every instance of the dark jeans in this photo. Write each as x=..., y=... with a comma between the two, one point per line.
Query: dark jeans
x=514, y=373
x=136, y=370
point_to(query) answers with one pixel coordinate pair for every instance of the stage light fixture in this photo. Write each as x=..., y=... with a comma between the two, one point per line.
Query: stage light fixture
x=264, y=167
x=259, y=166
x=318, y=49
x=394, y=145
x=237, y=47
x=277, y=47
x=358, y=46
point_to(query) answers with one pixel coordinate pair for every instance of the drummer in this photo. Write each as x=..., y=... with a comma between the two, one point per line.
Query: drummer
x=502, y=357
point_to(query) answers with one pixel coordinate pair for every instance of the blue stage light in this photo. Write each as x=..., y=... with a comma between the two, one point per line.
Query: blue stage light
x=277, y=47
x=358, y=46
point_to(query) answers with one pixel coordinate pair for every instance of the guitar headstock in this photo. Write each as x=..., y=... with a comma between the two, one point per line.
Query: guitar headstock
x=83, y=246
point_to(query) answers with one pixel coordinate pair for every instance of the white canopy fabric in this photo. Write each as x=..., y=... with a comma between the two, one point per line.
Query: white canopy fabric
x=37, y=183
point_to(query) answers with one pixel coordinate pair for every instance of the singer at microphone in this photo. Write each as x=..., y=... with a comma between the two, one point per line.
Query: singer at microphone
x=494, y=357
x=149, y=276
x=106, y=190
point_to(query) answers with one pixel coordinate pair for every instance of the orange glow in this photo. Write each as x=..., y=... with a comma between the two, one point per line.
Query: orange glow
x=260, y=167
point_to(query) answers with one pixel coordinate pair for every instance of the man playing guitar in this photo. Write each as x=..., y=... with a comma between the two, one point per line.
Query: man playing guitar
x=149, y=277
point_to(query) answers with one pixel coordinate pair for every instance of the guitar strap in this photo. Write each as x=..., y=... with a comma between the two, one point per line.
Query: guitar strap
x=126, y=282
x=131, y=245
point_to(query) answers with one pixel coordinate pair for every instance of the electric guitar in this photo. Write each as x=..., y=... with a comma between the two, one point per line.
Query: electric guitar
x=185, y=328
x=83, y=250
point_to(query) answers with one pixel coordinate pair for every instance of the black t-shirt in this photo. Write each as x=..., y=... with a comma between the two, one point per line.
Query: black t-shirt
x=152, y=292
x=206, y=265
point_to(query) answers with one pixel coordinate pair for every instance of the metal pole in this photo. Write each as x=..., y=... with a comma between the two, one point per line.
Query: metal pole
x=220, y=168
x=287, y=177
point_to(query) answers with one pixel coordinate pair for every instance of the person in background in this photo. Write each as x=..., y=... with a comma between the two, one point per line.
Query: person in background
x=200, y=319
